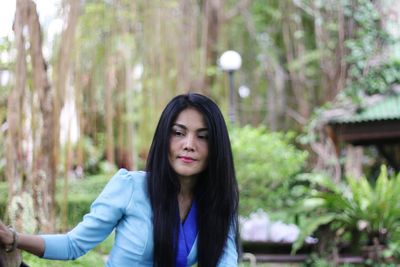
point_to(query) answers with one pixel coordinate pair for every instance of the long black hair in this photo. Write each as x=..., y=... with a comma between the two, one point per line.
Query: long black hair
x=216, y=190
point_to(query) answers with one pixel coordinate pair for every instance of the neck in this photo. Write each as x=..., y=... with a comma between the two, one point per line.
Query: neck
x=187, y=186
x=185, y=195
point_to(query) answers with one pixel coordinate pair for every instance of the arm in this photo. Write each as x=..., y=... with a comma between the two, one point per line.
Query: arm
x=31, y=243
x=105, y=213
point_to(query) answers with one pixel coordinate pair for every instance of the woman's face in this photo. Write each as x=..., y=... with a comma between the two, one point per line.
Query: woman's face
x=188, y=146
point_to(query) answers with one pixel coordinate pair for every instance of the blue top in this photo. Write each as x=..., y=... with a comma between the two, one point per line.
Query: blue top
x=123, y=206
x=187, y=236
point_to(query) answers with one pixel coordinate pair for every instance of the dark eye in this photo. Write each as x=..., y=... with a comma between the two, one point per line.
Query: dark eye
x=178, y=133
x=203, y=136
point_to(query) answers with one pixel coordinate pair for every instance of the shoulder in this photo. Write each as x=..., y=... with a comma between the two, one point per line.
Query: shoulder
x=131, y=187
x=123, y=190
x=124, y=176
x=125, y=182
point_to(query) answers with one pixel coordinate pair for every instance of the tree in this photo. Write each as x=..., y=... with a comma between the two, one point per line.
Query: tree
x=31, y=172
x=17, y=162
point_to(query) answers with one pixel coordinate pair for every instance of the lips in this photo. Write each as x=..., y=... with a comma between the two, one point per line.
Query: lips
x=186, y=159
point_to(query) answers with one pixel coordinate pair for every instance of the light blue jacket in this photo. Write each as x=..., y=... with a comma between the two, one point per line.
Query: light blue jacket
x=124, y=206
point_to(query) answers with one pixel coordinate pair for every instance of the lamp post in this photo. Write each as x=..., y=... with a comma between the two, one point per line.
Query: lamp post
x=230, y=61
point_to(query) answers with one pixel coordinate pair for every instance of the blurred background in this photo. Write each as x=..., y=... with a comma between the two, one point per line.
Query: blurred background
x=309, y=88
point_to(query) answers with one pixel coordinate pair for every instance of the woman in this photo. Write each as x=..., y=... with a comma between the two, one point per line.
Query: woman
x=181, y=211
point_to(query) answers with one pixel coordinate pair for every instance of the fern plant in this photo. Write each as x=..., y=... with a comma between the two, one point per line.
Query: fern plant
x=373, y=210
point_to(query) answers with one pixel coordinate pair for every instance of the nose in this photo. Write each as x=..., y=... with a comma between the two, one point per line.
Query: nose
x=189, y=144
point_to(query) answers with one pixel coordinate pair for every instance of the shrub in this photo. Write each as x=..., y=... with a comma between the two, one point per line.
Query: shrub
x=81, y=194
x=265, y=163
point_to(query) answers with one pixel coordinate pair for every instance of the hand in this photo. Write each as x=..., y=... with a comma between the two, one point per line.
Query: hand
x=31, y=243
x=6, y=235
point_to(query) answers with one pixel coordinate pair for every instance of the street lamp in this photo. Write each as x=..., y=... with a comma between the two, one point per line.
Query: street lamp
x=230, y=61
x=244, y=91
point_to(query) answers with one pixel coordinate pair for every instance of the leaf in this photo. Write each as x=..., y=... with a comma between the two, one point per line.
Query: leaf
x=308, y=227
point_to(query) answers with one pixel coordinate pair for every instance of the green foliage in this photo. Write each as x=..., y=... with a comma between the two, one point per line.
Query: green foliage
x=81, y=194
x=3, y=199
x=265, y=164
x=393, y=249
x=366, y=77
x=89, y=185
x=378, y=79
x=315, y=261
x=246, y=264
x=354, y=205
x=308, y=227
x=78, y=205
x=378, y=206
x=93, y=153
x=5, y=69
x=105, y=247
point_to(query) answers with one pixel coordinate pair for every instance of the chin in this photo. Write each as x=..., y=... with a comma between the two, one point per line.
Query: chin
x=185, y=173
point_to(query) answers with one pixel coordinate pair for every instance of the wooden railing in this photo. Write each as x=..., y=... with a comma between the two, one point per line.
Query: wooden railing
x=256, y=252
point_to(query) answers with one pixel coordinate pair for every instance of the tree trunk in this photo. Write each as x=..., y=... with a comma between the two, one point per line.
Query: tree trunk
x=294, y=49
x=17, y=171
x=109, y=107
x=332, y=61
x=120, y=118
x=31, y=174
x=10, y=259
x=129, y=152
x=211, y=28
x=44, y=180
x=79, y=114
x=186, y=46
x=276, y=96
x=63, y=73
x=67, y=168
x=354, y=158
x=63, y=67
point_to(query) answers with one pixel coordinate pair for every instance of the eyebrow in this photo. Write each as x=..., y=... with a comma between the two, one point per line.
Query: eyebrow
x=185, y=128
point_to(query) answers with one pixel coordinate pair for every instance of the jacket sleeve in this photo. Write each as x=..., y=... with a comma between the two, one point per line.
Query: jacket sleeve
x=230, y=256
x=105, y=212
